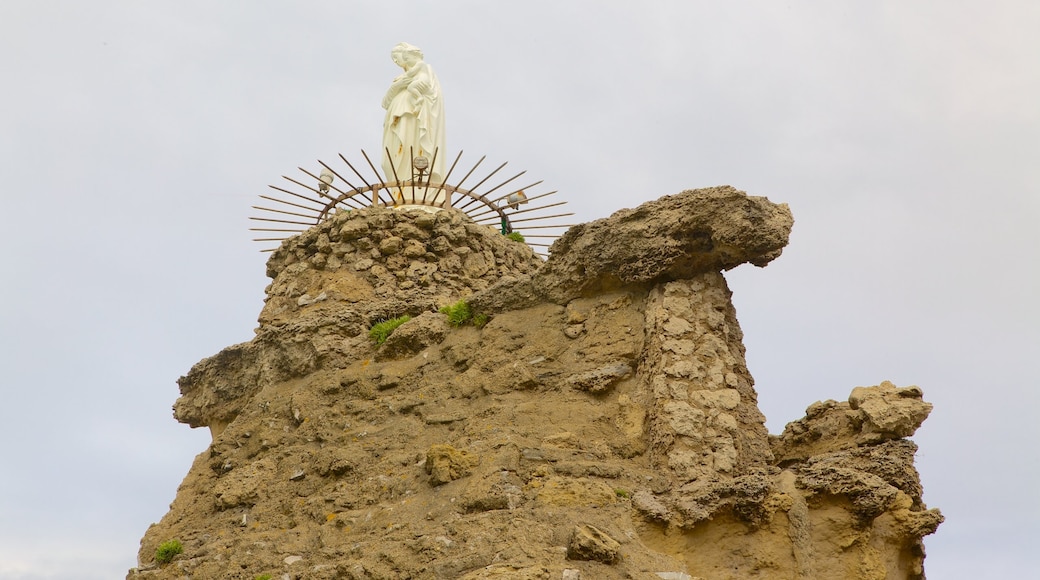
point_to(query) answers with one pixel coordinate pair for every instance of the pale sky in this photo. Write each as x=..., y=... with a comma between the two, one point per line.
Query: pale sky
x=135, y=136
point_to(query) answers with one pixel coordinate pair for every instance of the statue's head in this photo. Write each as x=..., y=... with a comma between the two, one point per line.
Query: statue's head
x=403, y=49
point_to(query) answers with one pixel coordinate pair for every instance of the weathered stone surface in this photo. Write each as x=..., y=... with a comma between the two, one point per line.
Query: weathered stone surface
x=331, y=461
x=509, y=572
x=240, y=486
x=675, y=237
x=890, y=412
x=444, y=463
x=217, y=387
x=572, y=492
x=590, y=543
x=419, y=333
x=705, y=417
x=872, y=415
x=601, y=379
x=370, y=242
x=353, y=229
x=316, y=318
x=608, y=391
x=391, y=245
x=495, y=490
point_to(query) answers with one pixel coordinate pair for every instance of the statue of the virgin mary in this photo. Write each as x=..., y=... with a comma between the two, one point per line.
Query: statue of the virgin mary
x=414, y=123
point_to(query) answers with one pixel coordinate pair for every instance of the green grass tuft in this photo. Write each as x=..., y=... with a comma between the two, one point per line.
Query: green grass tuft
x=515, y=236
x=167, y=550
x=479, y=320
x=458, y=314
x=264, y=577
x=382, y=330
x=621, y=492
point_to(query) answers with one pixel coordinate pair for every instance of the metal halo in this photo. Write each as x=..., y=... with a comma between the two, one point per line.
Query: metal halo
x=324, y=196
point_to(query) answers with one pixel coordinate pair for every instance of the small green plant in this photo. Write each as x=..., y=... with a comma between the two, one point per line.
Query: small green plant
x=621, y=492
x=264, y=577
x=479, y=320
x=382, y=330
x=167, y=550
x=515, y=236
x=458, y=313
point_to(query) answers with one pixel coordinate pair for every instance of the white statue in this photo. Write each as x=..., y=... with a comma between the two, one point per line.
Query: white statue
x=414, y=124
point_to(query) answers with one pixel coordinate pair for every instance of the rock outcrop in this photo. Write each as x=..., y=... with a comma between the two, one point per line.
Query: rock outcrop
x=599, y=423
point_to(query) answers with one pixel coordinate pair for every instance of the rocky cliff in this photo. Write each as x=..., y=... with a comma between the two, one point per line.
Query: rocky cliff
x=597, y=422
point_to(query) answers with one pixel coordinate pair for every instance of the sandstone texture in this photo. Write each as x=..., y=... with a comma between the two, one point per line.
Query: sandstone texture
x=602, y=423
x=675, y=237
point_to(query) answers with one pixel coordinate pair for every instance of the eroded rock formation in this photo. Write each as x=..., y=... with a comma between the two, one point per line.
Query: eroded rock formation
x=602, y=424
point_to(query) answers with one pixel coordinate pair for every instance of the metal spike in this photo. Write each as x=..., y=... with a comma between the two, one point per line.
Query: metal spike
x=396, y=178
x=357, y=191
x=344, y=197
x=489, y=175
x=283, y=212
x=532, y=198
x=547, y=227
x=304, y=185
x=536, y=209
x=282, y=221
x=375, y=191
x=316, y=178
x=544, y=217
x=447, y=193
x=429, y=177
x=297, y=195
x=496, y=187
x=356, y=172
x=289, y=203
x=465, y=177
x=376, y=171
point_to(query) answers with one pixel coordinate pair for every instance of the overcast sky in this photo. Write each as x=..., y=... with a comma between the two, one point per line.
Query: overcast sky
x=135, y=136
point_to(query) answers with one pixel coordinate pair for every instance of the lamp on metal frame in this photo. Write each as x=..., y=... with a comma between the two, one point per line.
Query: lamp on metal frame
x=419, y=166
